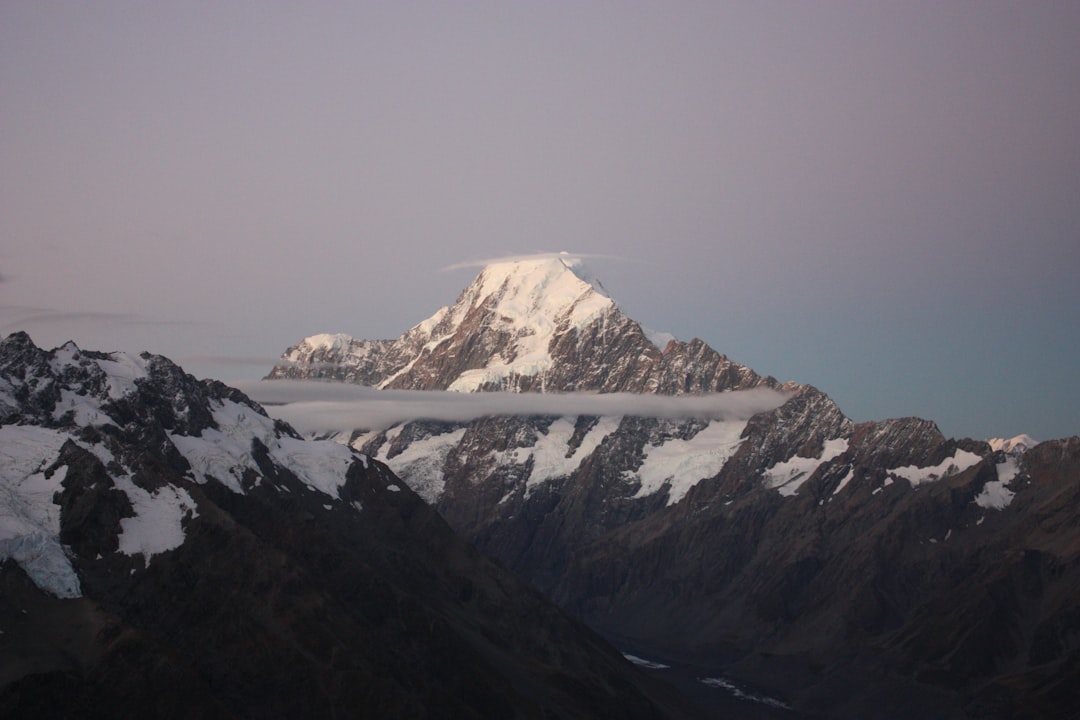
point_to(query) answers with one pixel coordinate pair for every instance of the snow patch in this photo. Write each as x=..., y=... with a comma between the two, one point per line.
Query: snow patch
x=157, y=525
x=549, y=454
x=421, y=464
x=846, y=479
x=682, y=464
x=642, y=662
x=743, y=695
x=1008, y=470
x=320, y=464
x=788, y=476
x=959, y=461
x=85, y=411
x=995, y=495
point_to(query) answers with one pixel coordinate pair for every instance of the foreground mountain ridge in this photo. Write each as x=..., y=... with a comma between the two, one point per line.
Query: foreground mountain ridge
x=792, y=547
x=169, y=550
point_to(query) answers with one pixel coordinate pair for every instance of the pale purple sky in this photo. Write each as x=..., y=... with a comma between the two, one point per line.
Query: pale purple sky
x=881, y=199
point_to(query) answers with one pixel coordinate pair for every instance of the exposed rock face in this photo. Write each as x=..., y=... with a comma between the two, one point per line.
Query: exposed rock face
x=167, y=550
x=848, y=567
x=871, y=569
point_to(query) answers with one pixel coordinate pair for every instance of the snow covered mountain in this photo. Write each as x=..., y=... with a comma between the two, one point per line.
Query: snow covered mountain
x=528, y=325
x=802, y=552
x=168, y=550
x=1014, y=445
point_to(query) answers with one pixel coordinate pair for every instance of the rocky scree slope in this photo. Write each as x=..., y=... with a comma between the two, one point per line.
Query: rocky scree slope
x=168, y=550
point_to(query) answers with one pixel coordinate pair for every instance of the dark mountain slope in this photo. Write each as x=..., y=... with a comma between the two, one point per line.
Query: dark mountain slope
x=275, y=590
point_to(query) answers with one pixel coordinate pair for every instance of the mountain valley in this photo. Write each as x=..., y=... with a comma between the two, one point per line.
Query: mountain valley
x=170, y=547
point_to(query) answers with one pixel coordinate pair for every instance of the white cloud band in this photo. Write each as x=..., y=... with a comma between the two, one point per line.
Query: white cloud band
x=312, y=406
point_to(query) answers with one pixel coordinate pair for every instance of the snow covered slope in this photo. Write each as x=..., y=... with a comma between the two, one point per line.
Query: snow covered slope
x=55, y=404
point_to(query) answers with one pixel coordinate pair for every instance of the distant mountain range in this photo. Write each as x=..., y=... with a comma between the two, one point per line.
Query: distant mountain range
x=871, y=569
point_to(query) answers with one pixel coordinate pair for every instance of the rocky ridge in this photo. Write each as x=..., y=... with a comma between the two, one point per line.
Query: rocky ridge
x=168, y=550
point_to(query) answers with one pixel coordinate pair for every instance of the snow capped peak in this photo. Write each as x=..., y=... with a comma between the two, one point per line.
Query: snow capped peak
x=537, y=287
x=535, y=323
x=328, y=341
x=1014, y=445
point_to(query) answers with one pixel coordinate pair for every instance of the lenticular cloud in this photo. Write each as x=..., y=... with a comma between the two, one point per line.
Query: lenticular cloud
x=312, y=406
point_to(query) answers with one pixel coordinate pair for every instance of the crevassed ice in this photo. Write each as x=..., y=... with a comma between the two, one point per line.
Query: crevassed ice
x=421, y=464
x=29, y=519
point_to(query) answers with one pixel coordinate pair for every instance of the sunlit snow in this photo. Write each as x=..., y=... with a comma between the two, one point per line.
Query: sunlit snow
x=1017, y=444
x=533, y=298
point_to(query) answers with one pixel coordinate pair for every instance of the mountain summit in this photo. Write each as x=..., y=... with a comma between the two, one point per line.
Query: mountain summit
x=538, y=324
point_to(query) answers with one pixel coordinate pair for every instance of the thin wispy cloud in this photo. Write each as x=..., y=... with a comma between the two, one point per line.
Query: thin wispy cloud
x=56, y=317
x=323, y=407
x=47, y=316
x=529, y=256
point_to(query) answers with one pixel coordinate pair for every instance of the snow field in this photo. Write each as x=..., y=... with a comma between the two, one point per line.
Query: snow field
x=682, y=464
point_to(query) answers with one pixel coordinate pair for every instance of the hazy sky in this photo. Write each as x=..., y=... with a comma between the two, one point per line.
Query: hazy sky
x=881, y=199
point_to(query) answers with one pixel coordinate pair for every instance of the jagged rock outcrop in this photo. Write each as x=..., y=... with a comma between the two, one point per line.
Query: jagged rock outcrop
x=168, y=550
